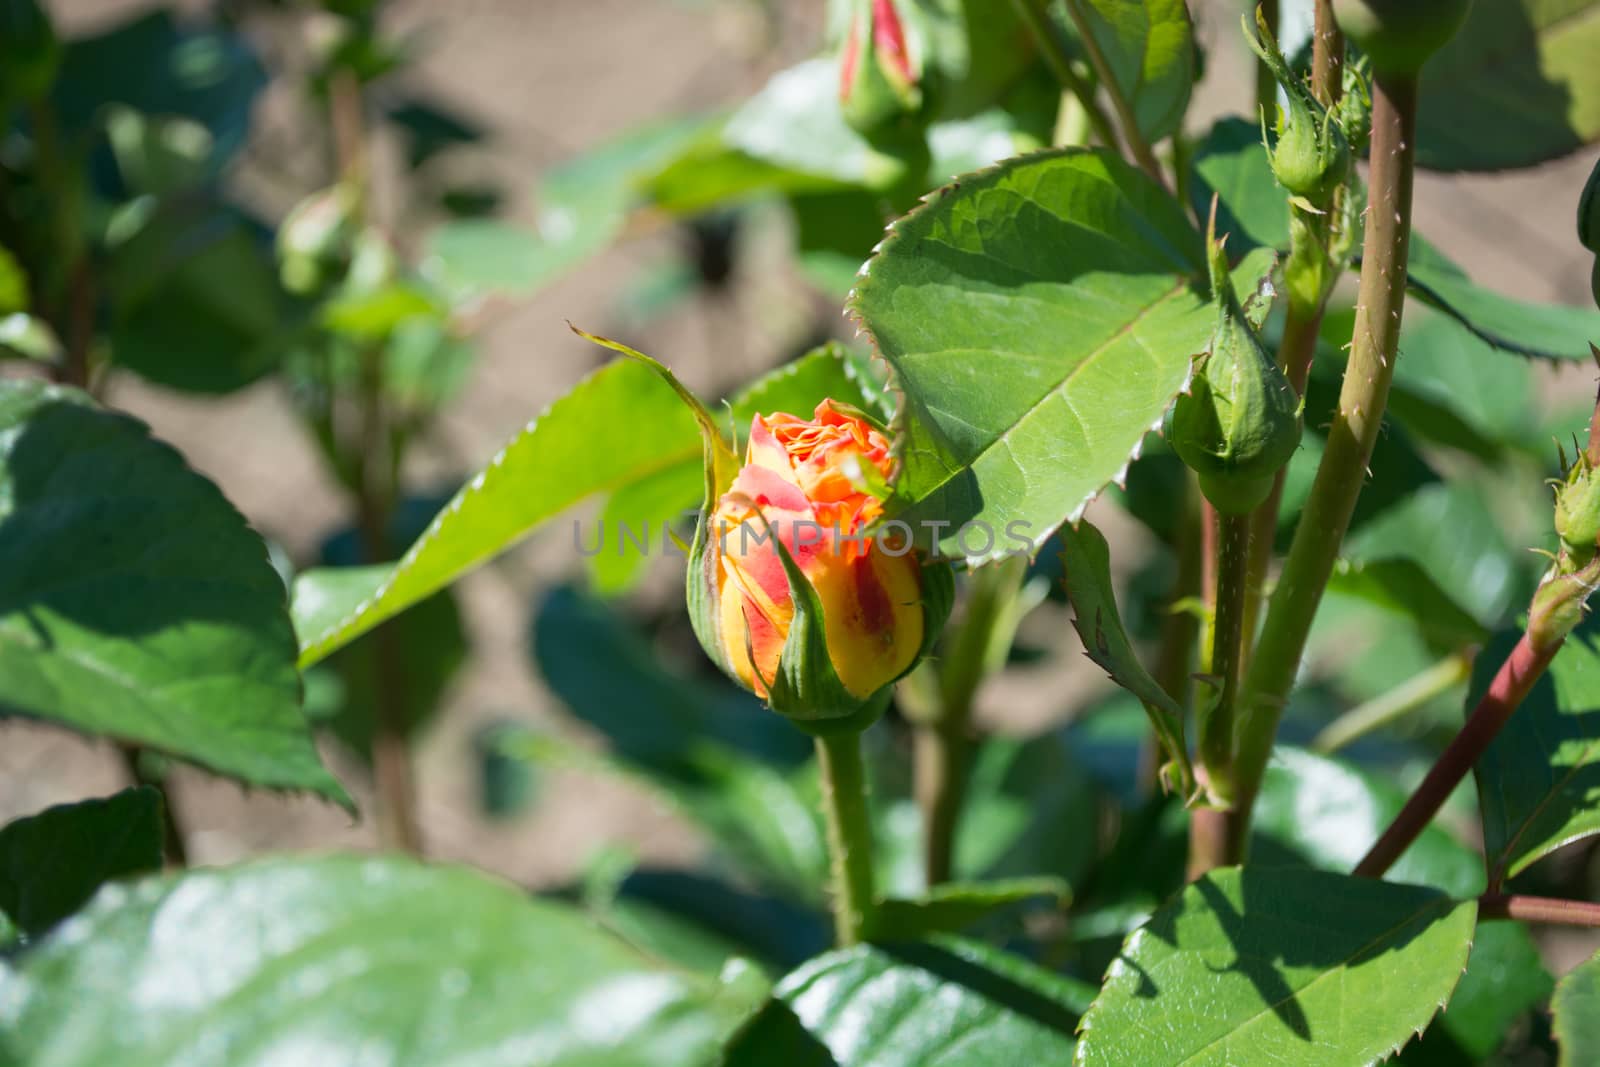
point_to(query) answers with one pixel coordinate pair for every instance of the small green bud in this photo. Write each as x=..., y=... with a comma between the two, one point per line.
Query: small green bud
x=29, y=51
x=1355, y=105
x=1399, y=35
x=879, y=78
x=317, y=240
x=1240, y=422
x=1311, y=157
x=1578, y=510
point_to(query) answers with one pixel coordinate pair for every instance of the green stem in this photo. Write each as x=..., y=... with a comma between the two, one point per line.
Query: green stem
x=1131, y=134
x=1266, y=84
x=939, y=771
x=1327, y=56
x=1180, y=630
x=1351, y=436
x=1389, y=707
x=1059, y=60
x=844, y=804
x=173, y=844
x=1215, y=744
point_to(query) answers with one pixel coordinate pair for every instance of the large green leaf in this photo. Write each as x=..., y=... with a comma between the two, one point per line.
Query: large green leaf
x=1150, y=48
x=1327, y=813
x=1577, y=1014
x=135, y=601
x=1548, y=331
x=1039, y=317
x=51, y=863
x=940, y=1003
x=616, y=426
x=1269, y=966
x=347, y=959
x=1539, y=781
x=1513, y=88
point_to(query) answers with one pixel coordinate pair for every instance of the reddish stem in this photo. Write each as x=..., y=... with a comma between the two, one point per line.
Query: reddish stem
x=1538, y=909
x=1511, y=685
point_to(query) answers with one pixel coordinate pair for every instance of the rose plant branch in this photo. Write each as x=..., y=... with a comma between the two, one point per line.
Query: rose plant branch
x=844, y=805
x=1033, y=13
x=1351, y=437
x=1381, y=710
x=1539, y=909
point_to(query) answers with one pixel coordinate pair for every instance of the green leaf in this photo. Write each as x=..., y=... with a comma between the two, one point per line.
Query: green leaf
x=343, y=959
x=1231, y=163
x=51, y=863
x=941, y=1003
x=1268, y=966
x=1513, y=88
x=1099, y=625
x=473, y=257
x=1327, y=813
x=1539, y=781
x=1061, y=284
x=13, y=285
x=1547, y=331
x=955, y=906
x=152, y=64
x=616, y=426
x=199, y=306
x=136, y=603
x=1576, y=1006
x=1402, y=587
x=1150, y=49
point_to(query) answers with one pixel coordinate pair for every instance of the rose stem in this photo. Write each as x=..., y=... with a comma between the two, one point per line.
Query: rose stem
x=1511, y=685
x=1137, y=145
x=1425, y=685
x=1351, y=436
x=1302, y=322
x=1060, y=63
x=844, y=802
x=1538, y=909
x=1211, y=845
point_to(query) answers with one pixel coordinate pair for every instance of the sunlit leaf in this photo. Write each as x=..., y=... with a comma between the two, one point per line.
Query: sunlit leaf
x=1268, y=966
x=343, y=959
x=136, y=603
x=1577, y=1014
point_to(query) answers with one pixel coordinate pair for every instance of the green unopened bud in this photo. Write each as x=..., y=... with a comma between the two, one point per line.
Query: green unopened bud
x=1399, y=35
x=317, y=240
x=1310, y=156
x=879, y=77
x=1578, y=510
x=1240, y=422
x=1355, y=105
x=29, y=51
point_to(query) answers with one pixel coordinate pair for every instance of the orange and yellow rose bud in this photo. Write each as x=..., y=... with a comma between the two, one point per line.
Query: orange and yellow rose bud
x=797, y=599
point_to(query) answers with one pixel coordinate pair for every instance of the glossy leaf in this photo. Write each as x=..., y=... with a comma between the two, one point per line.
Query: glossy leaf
x=1150, y=48
x=1547, y=331
x=136, y=603
x=572, y=451
x=1513, y=88
x=1327, y=813
x=344, y=959
x=1576, y=1006
x=1539, y=781
x=1061, y=283
x=1099, y=625
x=51, y=863
x=1265, y=966
x=941, y=1003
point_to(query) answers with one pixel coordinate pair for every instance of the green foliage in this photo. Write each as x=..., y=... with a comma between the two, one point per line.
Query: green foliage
x=930, y=1004
x=1514, y=88
x=52, y=863
x=136, y=603
x=1577, y=1014
x=1257, y=965
x=1150, y=50
x=423, y=965
x=1539, y=781
x=1068, y=277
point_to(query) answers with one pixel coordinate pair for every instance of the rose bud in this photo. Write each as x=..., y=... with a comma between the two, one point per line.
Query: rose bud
x=791, y=593
x=1310, y=156
x=879, y=80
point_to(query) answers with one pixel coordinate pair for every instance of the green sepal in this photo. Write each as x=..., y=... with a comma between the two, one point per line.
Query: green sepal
x=1311, y=158
x=1240, y=422
x=721, y=465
